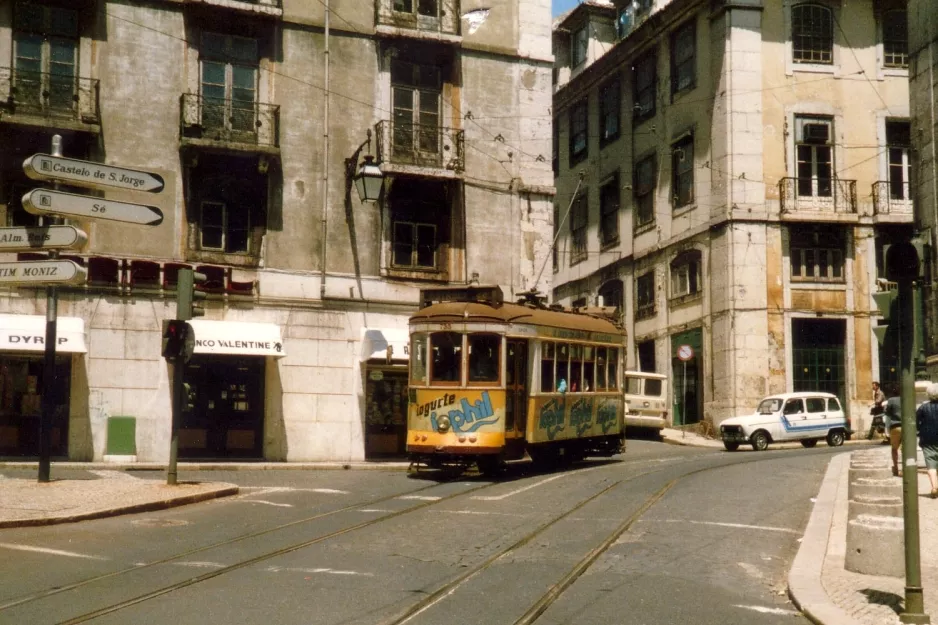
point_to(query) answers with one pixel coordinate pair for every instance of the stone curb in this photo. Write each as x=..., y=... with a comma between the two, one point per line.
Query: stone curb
x=149, y=506
x=222, y=466
x=804, y=578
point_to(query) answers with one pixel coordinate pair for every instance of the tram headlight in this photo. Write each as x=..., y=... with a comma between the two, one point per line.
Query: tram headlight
x=443, y=425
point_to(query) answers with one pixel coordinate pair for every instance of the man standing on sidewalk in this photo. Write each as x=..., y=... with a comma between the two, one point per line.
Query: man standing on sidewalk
x=893, y=418
x=926, y=417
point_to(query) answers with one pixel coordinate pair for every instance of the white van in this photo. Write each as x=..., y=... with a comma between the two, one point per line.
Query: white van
x=806, y=417
x=646, y=400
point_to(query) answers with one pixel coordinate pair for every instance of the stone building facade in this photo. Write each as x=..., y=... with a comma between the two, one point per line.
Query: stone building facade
x=727, y=174
x=257, y=114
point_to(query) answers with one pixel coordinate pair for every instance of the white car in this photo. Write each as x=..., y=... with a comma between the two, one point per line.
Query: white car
x=806, y=417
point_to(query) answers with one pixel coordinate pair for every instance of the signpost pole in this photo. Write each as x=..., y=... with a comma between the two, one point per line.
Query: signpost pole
x=49, y=385
x=683, y=399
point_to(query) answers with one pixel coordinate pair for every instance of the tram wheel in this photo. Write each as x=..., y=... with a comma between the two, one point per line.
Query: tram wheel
x=490, y=466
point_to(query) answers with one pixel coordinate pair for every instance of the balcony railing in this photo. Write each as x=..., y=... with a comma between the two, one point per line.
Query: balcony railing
x=230, y=121
x=435, y=16
x=820, y=195
x=420, y=145
x=50, y=95
x=262, y=7
x=892, y=198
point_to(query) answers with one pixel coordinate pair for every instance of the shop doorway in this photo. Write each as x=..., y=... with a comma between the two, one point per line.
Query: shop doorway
x=21, y=388
x=385, y=412
x=688, y=378
x=223, y=415
x=818, y=362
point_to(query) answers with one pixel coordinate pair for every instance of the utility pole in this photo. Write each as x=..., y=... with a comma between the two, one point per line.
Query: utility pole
x=902, y=265
x=178, y=345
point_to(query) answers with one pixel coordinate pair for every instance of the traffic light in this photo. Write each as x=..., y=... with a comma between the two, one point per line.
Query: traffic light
x=175, y=335
x=887, y=301
x=188, y=298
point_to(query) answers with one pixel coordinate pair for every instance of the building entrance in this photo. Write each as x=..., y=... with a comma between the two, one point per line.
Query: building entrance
x=21, y=388
x=223, y=415
x=818, y=356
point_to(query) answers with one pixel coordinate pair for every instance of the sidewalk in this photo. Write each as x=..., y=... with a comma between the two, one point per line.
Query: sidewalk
x=829, y=594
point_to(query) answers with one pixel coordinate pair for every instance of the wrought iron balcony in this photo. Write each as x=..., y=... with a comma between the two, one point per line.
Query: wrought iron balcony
x=432, y=16
x=230, y=121
x=892, y=198
x=823, y=196
x=420, y=145
x=272, y=8
x=50, y=95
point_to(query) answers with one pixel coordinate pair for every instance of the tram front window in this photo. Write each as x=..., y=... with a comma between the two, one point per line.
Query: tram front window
x=447, y=357
x=483, y=357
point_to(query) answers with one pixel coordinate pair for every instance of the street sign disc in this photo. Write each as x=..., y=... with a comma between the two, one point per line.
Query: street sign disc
x=39, y=238
x=685, y=352
x=50, y=202
x=42, y=272
x=90, y=174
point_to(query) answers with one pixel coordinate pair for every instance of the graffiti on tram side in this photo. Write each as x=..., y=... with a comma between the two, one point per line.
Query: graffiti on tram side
x=551, y=417
x=464, y=416
x=581, y=415
x=606, y=415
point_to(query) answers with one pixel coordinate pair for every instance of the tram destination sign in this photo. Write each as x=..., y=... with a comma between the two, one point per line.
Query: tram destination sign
x=49, y=202
x=42, y=272
x=40, y=238
x=90, y=174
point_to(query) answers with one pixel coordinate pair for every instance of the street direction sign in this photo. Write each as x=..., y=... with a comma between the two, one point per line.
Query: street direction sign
x=39, y=238
x=90, y=174
x=42, y=272
x=49, y=202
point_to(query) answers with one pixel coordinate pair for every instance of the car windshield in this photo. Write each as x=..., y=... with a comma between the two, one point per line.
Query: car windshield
x=768, y=406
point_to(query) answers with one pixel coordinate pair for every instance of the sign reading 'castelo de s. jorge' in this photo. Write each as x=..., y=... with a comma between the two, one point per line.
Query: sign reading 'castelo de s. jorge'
x=90, y=174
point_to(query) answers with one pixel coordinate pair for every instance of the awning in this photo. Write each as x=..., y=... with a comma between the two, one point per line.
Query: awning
x=27, y=333
x=385, y=344
x=240, y=338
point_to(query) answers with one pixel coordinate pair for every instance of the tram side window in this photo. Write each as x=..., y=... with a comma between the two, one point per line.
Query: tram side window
x=563, y=362
x=418, y=359
x=483, y=357
x=575, y=383
x=601, y=369
x=547, y=368
x=613, y=368
x=447, y=357
x=589, y=382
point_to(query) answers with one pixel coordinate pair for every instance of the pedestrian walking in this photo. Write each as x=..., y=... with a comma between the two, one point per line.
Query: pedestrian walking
x=876, y=411
x=926, y=417
x=893, y=418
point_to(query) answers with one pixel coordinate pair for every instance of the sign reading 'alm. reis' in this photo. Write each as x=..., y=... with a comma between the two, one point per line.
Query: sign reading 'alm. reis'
x=90, y=174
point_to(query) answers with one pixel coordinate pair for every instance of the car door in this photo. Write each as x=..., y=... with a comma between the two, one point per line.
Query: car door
x=818, y=418
x=794, y=419
x=835, y=414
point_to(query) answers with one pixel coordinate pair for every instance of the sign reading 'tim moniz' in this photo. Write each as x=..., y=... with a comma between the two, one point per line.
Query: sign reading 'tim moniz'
x=90, y=174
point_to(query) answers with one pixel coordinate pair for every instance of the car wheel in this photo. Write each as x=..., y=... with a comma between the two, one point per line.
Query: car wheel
x=730, y=446
x=835, y=438
x=809, y=443
x=760, y=441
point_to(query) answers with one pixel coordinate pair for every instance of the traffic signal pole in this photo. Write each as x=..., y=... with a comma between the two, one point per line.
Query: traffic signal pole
x=186, y=308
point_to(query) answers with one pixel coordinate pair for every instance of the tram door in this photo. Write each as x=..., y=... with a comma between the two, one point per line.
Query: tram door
x=516, y=387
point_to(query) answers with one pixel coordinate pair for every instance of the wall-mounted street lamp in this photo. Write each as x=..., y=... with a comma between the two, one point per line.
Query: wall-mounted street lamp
x=368, y=179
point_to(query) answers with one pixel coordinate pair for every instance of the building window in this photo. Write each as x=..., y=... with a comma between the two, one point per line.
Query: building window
x=646, y=355
x=685, y=274
x=895, y=39
x=817, y=254
x=579, y=131
x=45, y=56
x=609, y=211
x=555, y=147
x=812, y=34
x=225, y=230
x=609, y=111
x=644, y=192
x=645, y=296
x=416, y=91
x=579, y=221
x=644, y=81
x=420, y=223
x=684, y=58
x=682, y=171
x=579, y=44
x=414, y=245
x=610, y=294
x=898, y=145
x=427, y=8
x=815, y=156
x=229, y=82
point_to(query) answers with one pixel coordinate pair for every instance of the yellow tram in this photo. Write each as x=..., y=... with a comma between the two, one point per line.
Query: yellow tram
x=491, y=380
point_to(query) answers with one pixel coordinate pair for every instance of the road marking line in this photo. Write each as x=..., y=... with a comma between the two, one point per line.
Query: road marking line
x=373, y=510
x=269, y=503
x=109, y=474
x=767, y=528
x=764, y=610
x=200, y=565
x=53, y=552
x=420, y=497
x=521, y=490
x=290, y=489
x=277, y=569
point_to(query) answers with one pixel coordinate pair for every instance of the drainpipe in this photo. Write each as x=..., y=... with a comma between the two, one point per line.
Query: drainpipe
x=325, y=161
